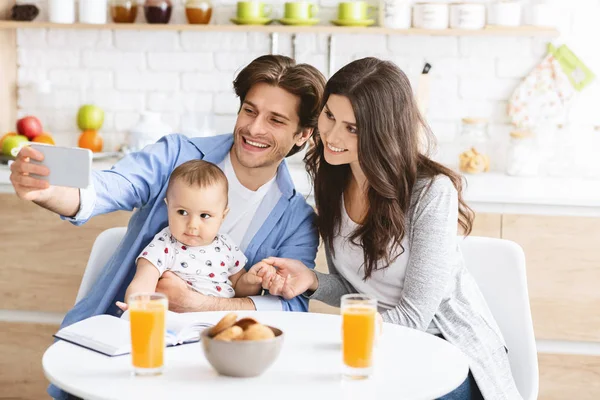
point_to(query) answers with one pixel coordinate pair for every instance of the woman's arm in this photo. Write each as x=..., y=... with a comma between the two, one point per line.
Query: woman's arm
x=330, y=287
x=432, y=257
x=301, y=280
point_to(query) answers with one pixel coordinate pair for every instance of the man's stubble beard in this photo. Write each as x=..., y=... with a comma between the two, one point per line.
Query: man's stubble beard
x=266, y=161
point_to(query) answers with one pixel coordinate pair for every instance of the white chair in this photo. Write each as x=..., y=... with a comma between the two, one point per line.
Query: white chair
x=498, y=266
x=104, y=246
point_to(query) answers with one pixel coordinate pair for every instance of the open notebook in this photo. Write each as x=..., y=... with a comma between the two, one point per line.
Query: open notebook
x=110, y=335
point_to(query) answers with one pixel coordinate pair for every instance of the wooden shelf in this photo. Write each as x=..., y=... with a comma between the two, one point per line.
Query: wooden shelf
x=275, y=28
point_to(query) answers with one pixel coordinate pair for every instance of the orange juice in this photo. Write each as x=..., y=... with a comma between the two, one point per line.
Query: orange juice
x=147, y=333
x=358, y=326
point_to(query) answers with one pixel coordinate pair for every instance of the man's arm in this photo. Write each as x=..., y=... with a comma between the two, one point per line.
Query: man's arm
x=131, y=183
x=183, y=299
x=302, y=245
x=58, y=199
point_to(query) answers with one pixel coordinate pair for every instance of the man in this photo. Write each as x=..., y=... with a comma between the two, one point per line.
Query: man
x=279, y=107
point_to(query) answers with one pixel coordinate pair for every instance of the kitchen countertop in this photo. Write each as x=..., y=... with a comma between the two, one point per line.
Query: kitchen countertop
x=491, y=192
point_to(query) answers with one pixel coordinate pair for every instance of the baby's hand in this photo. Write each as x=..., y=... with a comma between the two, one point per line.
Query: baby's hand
x=122, y=306
x=268, y=273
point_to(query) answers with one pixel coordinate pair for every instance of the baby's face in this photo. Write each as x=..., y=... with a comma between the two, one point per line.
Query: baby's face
x=196, y=214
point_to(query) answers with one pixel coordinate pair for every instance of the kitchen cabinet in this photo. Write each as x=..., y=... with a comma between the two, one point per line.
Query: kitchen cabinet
x=43, y=257
x=22, y=346
x=565, y=376
x=488, y=225
x=563, y=269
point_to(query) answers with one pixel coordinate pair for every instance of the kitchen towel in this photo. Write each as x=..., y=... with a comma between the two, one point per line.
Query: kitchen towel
x=544, y=95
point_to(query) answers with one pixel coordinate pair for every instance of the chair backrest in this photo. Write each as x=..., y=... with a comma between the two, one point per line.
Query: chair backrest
x=498, y=267
x=104, y=247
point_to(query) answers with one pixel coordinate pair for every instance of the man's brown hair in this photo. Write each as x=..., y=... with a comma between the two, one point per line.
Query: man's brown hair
x=302, y=80
x=199, y=173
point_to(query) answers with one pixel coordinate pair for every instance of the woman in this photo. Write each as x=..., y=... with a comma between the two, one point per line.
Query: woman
x=388, y=216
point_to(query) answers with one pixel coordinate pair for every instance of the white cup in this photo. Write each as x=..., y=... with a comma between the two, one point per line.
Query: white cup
x=506, y=13
x=467, y=16
x=430, y=15
x=93, y=11
x=543, y=14
x=61, y=11
x=394, y=14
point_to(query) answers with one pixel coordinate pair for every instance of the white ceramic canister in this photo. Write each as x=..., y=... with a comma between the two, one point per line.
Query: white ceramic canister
x=467, y=16
x=395, y=14
x=506, y=13
x=93, y=11
x=430, y=15
x=543, y=14
x=61, y=11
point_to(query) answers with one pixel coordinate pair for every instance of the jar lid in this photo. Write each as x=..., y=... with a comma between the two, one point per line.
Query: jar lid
x=521, y=134
x=474, y=121
x=204, y=4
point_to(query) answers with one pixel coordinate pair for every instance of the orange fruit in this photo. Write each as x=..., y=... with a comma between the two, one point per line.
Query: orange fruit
x=5, y=136
x=44, y=138
x=92, y=140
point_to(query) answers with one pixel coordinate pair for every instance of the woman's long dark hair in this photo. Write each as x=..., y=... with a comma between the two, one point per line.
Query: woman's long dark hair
x=393, y=148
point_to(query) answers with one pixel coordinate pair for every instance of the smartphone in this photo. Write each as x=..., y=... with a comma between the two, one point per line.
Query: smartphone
x=69, y=166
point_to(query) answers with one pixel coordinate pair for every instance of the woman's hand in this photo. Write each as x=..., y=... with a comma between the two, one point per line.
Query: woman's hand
x=294, y=278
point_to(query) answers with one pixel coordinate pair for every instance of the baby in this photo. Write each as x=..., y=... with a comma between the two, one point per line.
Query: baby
x=191, y=246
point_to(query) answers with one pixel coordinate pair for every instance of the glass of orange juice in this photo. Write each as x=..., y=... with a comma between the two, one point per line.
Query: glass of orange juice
x=147, y=313
x=358, y=334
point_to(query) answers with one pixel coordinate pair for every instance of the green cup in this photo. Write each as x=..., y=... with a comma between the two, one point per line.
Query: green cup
x=300, y=10
x=253, y=10
x=355, y=11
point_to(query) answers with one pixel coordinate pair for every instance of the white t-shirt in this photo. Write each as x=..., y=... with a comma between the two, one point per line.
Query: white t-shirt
x=205, y=268
x=384, y=284
x=243, y=204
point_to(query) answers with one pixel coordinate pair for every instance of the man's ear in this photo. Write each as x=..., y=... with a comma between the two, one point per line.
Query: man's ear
x=305, y=134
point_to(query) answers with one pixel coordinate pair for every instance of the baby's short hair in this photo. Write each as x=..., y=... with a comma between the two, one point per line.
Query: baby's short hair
x=199, y=173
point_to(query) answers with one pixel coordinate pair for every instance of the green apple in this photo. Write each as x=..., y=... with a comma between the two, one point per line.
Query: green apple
x=13, y=142
x=90, y=117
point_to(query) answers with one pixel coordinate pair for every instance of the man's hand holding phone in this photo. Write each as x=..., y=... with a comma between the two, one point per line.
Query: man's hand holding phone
x=51, y=176
x=26, y=186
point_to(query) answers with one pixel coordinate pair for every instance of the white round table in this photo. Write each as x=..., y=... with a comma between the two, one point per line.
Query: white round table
x=408, y=364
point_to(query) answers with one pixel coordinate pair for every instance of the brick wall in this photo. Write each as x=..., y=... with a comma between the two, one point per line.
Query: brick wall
x=126, y=72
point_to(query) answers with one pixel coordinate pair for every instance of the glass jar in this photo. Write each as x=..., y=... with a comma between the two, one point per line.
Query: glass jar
x=474, y=141
x=523, y=157
x=158, y=11
x=198, y=11
x=123, y=11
